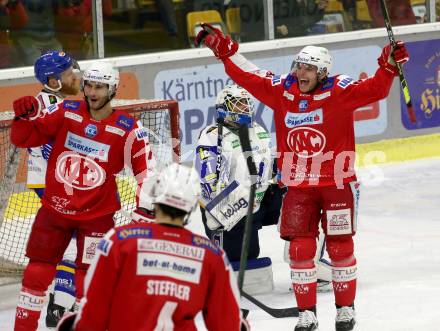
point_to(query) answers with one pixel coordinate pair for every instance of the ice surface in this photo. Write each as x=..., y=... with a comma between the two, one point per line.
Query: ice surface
x=397, y=248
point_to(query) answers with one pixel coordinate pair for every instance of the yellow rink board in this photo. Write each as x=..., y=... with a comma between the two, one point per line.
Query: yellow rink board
x=26, y=204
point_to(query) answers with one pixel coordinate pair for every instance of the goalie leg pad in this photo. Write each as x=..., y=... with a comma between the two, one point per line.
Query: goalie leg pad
x=258, y=278
x=49, y=237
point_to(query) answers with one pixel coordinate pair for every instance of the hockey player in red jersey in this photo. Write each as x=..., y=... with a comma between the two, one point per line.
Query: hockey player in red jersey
x=163, y=272
x=57, y=73
x=313, y=115
x=91, y=144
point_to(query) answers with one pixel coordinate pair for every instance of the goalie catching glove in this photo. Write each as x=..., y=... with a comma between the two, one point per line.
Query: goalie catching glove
x=27, y=108
x=390, y=57
x=222, y=46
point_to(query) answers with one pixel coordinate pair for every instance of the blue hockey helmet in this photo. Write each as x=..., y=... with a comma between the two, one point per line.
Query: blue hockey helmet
x=53, y=64
x=235, y=105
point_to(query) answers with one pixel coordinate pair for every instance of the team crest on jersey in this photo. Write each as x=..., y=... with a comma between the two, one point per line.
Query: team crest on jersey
x=306, y=142
x=78, y=171
x=276, y=80
x=70, y=104
x=140, y=232
x=303, y=104
x=125, y=122
x=91, y=130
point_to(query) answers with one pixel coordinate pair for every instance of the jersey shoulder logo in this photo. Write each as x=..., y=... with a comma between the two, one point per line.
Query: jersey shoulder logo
x=328, y=84
x=276, y=80
x=70, y=104
x=125, y=122
x=288, y=82
x=344, y=81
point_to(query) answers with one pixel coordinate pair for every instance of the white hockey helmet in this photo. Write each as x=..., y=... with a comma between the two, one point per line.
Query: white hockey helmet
x=177, y=186
x=104, y=73
x=317, y=56
x=234, y=104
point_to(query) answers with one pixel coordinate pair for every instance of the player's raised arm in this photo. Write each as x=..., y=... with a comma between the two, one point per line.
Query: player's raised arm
x=31, y=126
x=262, y=84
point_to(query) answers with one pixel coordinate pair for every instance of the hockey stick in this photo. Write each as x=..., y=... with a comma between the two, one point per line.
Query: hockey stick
x=274, y=312
x=217, y=235
x=403, y=83
x=243, y=135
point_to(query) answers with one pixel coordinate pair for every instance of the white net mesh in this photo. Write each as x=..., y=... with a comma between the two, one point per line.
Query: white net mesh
x=18, y=204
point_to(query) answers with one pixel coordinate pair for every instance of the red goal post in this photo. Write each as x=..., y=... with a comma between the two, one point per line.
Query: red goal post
x=18, y=204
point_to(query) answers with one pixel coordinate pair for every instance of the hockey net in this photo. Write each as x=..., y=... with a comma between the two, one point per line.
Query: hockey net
x=18, y=204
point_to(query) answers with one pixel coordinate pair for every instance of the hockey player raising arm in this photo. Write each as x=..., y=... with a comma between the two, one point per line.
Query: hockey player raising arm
x=163, y=272
x=313, y=115
x=91, y=144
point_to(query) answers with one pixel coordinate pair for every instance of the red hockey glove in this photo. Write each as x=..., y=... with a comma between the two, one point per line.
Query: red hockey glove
x=389, y=57
x=26, y=108
x=222, y=46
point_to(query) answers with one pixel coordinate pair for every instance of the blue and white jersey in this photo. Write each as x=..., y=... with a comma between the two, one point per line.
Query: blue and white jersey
x=234, y=178
x=38, y=156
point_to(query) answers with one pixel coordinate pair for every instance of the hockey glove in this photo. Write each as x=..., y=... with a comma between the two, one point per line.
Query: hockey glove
x=26, y=108
x=390, y=57
x=222, y=46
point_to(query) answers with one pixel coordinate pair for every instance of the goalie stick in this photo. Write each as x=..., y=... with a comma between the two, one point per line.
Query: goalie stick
x=274, y=312
x=243, y=135
x=218, y=234
x=403, y=83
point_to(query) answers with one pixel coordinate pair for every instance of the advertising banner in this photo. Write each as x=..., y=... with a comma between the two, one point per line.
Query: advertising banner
x=422, y=73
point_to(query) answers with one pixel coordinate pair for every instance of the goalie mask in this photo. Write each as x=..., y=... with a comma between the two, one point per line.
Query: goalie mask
x=317, y=56
x=235, y=105
x=104, y=73
x=53, y=64
x=175, y=186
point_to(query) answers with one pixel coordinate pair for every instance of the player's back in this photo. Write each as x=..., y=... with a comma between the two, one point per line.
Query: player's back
x=164, y=276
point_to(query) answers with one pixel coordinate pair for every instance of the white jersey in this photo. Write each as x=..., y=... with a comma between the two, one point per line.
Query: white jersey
x=229, y=204
x=38, y=156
